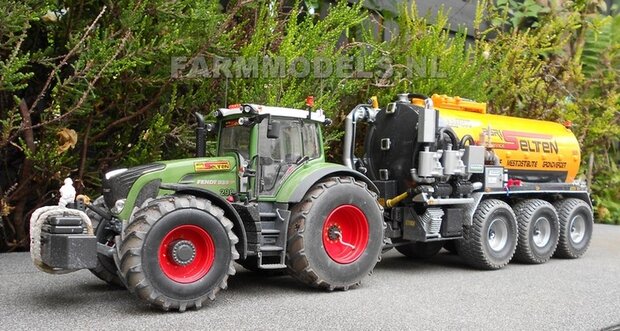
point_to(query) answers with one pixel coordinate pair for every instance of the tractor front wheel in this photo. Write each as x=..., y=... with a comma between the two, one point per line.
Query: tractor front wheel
x=177, y=252
x=335, y=234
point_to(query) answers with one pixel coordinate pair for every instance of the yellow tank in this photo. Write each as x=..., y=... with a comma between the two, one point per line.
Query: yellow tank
x=531, y=150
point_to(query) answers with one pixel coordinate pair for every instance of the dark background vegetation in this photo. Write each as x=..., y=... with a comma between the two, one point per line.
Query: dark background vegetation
x=85, y=85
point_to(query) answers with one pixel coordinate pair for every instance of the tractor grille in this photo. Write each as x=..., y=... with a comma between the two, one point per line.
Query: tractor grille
x=431, y=221
x=118, y=186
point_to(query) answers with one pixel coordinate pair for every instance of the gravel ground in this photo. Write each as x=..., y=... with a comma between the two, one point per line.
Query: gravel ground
x=443, y=293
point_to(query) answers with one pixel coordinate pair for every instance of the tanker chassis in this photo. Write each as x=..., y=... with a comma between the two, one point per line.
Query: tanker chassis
x=435, y=172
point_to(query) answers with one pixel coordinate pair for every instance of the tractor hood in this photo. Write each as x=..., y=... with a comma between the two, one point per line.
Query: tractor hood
x=124, y=189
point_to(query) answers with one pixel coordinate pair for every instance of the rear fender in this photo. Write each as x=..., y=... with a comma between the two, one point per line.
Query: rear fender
x=331, y=171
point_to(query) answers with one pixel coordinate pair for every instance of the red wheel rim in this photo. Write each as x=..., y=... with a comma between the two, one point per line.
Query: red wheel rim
x=194, y=241
x=345, y=234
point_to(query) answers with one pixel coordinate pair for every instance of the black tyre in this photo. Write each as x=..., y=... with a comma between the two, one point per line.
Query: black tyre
x=490, y=242
x=106, y=267
x=576, y=222
x=177, y=252
x=335, y=234
x=538, y=231
x=420, y=250
x=450, y=246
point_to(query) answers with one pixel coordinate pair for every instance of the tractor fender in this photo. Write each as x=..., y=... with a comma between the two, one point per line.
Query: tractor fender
x=229, y=211
x=333, y=171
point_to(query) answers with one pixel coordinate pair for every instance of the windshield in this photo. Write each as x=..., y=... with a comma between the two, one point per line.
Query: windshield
x=234, y=138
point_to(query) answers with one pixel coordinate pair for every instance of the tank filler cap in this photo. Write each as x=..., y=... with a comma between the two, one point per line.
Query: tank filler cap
x=404, y=97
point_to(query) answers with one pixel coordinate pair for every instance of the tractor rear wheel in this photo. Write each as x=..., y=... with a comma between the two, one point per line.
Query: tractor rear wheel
x=538, y=231
x=335, y=234
x=490, y=242
x=106, y=267
x=576, y=222
x=177, y=252
x=420, y=250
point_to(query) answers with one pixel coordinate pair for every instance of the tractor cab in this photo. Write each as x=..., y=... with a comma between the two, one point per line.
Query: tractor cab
x=270, y=143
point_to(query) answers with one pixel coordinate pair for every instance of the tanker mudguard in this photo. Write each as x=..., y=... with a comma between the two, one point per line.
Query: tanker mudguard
x=336, y=170
x=217, y=200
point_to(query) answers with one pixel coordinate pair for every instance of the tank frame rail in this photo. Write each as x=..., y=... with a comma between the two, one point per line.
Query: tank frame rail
x=529, y=187
x=576, y=189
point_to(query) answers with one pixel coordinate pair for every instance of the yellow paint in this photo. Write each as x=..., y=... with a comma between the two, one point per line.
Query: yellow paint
x=207, y=166
x=520, y=144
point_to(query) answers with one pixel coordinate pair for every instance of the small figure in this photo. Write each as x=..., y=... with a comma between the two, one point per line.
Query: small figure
x=67, y=193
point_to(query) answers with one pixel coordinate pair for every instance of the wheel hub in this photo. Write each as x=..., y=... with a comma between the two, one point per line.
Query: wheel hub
x=183, y=252
x=345, y=234
x=577, y=229
x=541, y=233
x=333, y=232
x=186, y=253
x=497, y=235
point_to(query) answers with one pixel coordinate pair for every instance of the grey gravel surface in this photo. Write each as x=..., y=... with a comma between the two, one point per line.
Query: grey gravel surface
x=443, y=293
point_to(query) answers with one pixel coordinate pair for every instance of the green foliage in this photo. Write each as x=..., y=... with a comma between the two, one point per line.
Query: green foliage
x=425, y=57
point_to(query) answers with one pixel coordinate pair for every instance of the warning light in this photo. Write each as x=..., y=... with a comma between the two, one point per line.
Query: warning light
x=310, y=101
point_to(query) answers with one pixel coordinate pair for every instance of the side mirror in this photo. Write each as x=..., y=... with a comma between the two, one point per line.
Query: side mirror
x=273, y=130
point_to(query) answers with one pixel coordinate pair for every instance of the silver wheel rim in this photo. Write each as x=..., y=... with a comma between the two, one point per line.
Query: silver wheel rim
x=577, y=229
x=541, y=232
x=497, y=236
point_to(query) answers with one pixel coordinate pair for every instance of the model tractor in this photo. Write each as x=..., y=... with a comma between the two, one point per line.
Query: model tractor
x=436, y=172
x=170, y=231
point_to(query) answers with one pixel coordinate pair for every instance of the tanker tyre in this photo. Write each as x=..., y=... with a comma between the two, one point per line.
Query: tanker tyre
x=538, y=231
x=106, y=269
x=490, y=242
x=420, y=250
x=576, y=223
x=177, y=252
x=335, y=236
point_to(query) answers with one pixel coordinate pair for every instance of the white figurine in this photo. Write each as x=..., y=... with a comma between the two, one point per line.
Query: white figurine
x=67, y=193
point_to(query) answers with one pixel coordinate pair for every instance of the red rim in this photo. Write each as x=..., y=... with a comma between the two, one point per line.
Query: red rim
x=345, y=234
x=192, y=239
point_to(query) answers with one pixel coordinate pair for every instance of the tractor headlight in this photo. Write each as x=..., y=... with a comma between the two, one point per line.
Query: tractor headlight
x=118, y=206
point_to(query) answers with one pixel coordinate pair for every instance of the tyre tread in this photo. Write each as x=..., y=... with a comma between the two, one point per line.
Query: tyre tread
x=130, y=250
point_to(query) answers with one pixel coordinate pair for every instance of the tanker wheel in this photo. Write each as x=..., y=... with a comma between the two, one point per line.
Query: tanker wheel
x=177, y=252
x=335, y=234
x=106, y=267
x=420, y=250
x=576, y=222
x=490, y=242
x=538, y=231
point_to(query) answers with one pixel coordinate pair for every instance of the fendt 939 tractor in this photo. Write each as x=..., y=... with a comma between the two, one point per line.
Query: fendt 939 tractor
x=436, y=172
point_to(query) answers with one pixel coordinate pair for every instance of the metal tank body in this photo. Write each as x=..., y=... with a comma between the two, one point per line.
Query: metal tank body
x=531, y=150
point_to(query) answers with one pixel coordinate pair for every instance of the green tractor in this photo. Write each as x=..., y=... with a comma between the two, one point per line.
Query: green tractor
x=171, y=231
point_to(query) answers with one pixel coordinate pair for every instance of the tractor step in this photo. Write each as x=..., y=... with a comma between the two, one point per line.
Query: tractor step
x=271, y=248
